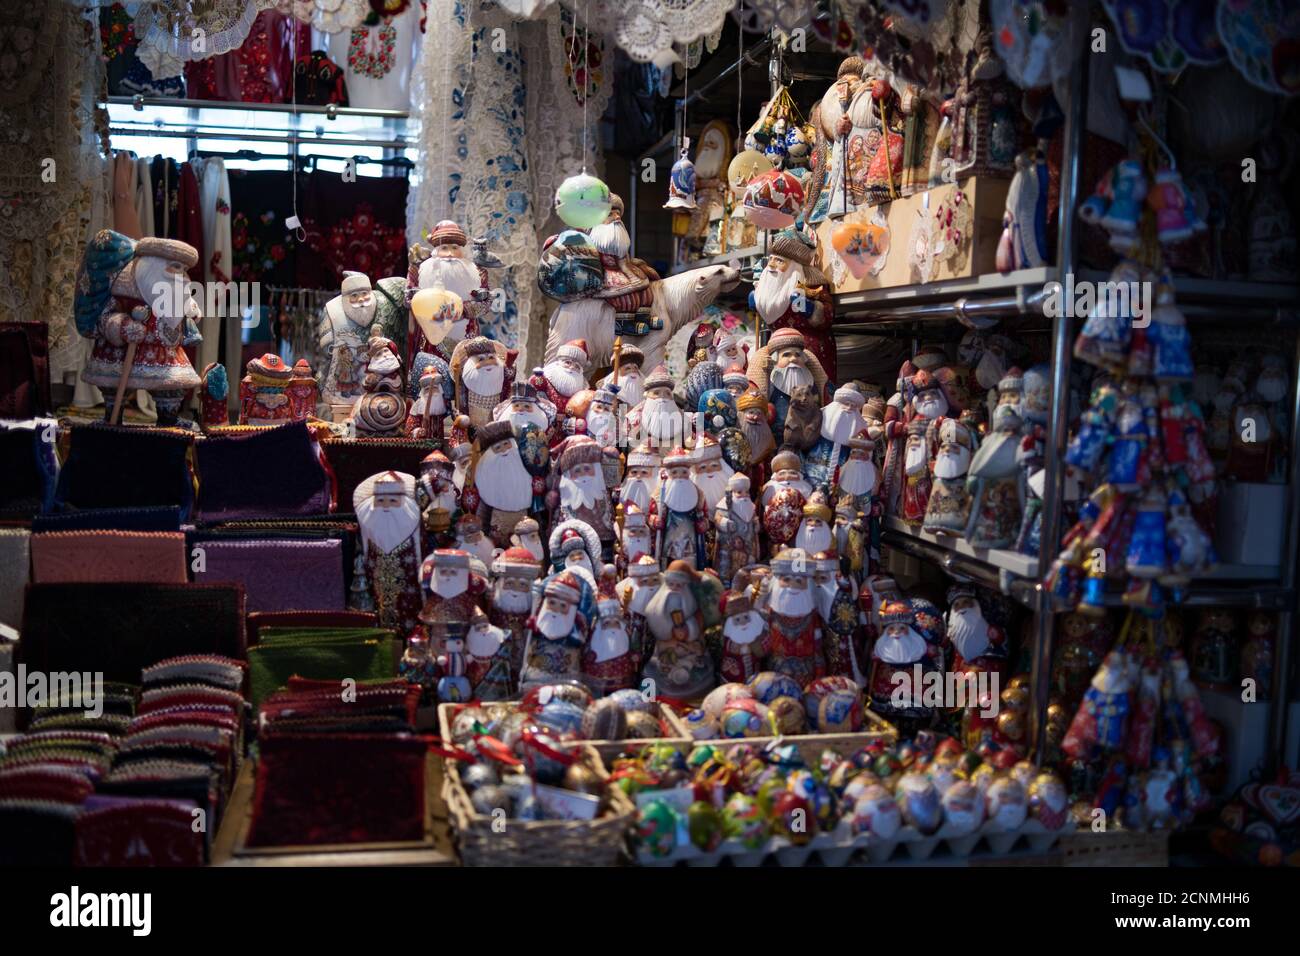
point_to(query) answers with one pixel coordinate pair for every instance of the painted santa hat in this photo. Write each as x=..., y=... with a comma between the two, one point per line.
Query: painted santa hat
x=173, y=250
x=607, y=394
x=447, y=231
x=393, y=483
x=633, y=517
x=680, y=571
x=450, y=558
x=468, y=525
x=792, y=561
x=751, y=399
x=355, y=282
x=706, y=449
x=784, y=339
x=578, y=450
x=643, y=567
x=738, y=483
x=929, y=357
x=659, y=378
x=571, y=540
x=516, y=562
x=896, y=612
x=848, y=395
x=270, y=367
x=527, y=526
x=826, y=561
x=575, y=350
x=629, y=355
x=493, y=432
x=642, y=456
x=818, y=507
x=461, y=452
x=564, y=586
x=735, y=376
x=679, y=457
x=786, y=460
x=735, y=603
x=954, y=432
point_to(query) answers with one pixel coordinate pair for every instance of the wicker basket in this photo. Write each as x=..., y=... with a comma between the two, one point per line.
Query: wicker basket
x=598, y=842
x=1114, y=848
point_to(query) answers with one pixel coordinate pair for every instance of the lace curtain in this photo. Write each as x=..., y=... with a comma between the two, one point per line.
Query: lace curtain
x=501, y=127
x=52, y=177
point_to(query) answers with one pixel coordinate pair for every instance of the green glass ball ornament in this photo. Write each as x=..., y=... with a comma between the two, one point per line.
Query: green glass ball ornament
x=582, y=201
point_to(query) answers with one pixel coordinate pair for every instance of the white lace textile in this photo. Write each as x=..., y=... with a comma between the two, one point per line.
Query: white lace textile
x=174, y=32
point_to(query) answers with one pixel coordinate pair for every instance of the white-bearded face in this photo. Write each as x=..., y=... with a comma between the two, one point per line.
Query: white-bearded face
x=512, y=594
x=757, y=431
x=916, y=457
x=742, y=508
x=523, y=413
x=772, y=292
x=631, y=385
x=660, y=417
x=858, y=475
x=164, y=284
x=430, y=397
x=460, y=469
x=679, y=492
x=580, y=560
x=602, y=424
x=611, y=238
x=501, y=478
x=730, y=352
x=556, y=618
x=786, y=378
x=711, y=477
x=449, y=582
x=967, y=628
x=814, y=535
x=840, y=422
x=531, y=542
x=609, y=638
x=643, y=590
x=640, y=485
x=827, y=588
x=900, y=644
x=484, y=375
x=582, y=486
x=477, y=544
x=359, y=307
x=786, y=479
x=666, y=601
x=636, y=542
x=791, y=596
x=952, y=460
x=388, y=520
x=930, y=404
x=565, y=375
x=743, y=628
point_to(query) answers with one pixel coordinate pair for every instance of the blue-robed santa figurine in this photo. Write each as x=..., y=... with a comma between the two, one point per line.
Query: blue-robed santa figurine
x=781, y=366
x=679, y=515
x=133, y=300
x=841, y=420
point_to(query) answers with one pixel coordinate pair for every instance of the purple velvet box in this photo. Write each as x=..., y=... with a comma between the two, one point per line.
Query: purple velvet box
x=278, y=575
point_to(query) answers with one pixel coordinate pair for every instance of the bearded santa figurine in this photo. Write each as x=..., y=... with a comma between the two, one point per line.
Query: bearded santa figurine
x=841, y=617
x=791, y=293
x=436, y=494
x=948, y=511
x=641, y=479
x=557, y=635
x=344, y=330
x=381, y=411
x=388, y=517
x=641, y=583
x=681, y=666
x=134, y=293
x=709, y=471
x=471, y=539
x=781, y=366
x=841, y=420
x=444, y=264
x=451, y=593
x=511, y=600
x=736, y=524
x=528, y=537
x=634, y=539
x=756, y=425
x=425, y=420
x=562, y=377
x=657, y=417
x=627, y=281
x=730, y=348
x=525, y=406
x=977, y=644
x=608, y=663
x=815, y=531
x=679, y=516
x=262, y=398
x=599, y=417
x=744, y=638
x=900, y=653
x=736, y=381
x=795, y=633
x=783, y=499
x=581, y=494
x=894, y=435
x=483, y=372
x=575, y=547
x=929, y=404
x=503, y=487
x=487, y=660
x=630, y=378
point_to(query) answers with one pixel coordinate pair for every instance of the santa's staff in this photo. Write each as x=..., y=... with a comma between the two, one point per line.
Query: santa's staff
x=127, y=362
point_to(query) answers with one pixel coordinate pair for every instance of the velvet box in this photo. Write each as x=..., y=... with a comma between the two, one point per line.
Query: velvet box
x=120, y=629
x=24, y=370
x=30, y=469
x=157, y=518
x=270, y=472
x=335, y=654
x=276, y=575
x=353, y=460
x=125, y=467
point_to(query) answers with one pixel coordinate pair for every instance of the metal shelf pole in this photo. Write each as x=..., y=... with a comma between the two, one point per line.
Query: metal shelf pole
x=1054, y=450
x=1283, y=659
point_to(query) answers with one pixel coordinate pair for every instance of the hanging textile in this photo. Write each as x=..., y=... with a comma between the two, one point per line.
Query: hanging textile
x=48, y=202
x=359, y=226
x=378, y=54
x=214, y=207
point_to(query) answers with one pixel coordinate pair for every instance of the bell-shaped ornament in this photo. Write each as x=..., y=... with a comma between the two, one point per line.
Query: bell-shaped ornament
x=681, y=183
x=582, y=201
x=436, y=310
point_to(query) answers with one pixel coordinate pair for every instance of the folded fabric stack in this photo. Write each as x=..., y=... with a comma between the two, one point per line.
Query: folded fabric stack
x=137, y=777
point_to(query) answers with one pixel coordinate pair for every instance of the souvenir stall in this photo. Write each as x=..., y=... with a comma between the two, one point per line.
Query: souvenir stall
x=900, y=466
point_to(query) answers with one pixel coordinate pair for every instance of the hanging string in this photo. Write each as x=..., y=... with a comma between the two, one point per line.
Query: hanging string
x=443, y=202
x=586, y=76
x=300, y=232
x=740, y=70
x=686, y=94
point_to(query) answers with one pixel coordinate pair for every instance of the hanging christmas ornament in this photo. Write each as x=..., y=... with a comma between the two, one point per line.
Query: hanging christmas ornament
x=582, y=201
x=436, y=310
x=862, y=246
x=744, y=169
x=681, y=182
x=773, y=199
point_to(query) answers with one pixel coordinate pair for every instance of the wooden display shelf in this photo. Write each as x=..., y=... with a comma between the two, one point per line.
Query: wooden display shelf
x=229, y=849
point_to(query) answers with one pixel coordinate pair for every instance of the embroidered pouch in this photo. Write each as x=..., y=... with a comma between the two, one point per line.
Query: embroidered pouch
x=361, y=655
x=269, y=472
x=257, y=620
x=138, y=832
x=353, y=460
x=27, y=480
x=15, y=571
x=277, y=575
x=156, y=557
x=162, y=518
x=24, y=369
x=120, y=466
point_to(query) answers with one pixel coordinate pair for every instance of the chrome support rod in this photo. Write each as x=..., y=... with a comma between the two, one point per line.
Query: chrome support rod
x=1058, y=425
